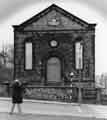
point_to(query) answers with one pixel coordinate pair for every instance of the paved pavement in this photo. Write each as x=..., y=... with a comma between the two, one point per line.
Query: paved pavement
x=5, y=116
x=40, y=110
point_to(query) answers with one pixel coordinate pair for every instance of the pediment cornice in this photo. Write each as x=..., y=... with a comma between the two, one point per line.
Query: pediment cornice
x=54, y=22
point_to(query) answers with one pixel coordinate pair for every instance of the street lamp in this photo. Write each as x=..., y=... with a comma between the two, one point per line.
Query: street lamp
x=71, y=76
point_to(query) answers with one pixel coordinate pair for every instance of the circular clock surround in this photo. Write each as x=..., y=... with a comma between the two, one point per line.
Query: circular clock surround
x=53, y=43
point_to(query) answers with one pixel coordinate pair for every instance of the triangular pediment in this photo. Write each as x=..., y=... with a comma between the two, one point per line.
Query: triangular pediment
x=53, y=17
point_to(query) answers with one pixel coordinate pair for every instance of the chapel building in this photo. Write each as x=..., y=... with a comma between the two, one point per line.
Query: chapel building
x=55, y=49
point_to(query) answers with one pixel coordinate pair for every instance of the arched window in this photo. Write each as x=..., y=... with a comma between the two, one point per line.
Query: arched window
x=28, y=55
x=79, y=55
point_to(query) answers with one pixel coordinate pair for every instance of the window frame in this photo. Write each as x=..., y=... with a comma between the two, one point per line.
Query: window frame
x=81, y=42
x=28, y=69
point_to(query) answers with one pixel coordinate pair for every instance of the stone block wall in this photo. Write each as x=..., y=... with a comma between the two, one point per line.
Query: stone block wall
x=41, y=48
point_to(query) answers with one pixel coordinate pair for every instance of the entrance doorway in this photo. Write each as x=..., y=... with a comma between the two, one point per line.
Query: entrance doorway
x=53, y=70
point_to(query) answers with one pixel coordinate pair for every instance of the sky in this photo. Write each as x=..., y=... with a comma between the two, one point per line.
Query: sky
x=15, y=12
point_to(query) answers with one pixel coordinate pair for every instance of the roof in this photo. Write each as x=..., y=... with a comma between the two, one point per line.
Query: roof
x=59, y=10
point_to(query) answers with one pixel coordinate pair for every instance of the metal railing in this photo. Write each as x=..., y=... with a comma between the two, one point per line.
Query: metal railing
x=52, y=93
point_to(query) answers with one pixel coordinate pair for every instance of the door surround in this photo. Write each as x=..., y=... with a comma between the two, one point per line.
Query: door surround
x=49, y=55
x=53, y=72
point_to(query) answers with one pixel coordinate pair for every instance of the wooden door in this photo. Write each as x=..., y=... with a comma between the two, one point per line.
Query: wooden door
x=53, y=70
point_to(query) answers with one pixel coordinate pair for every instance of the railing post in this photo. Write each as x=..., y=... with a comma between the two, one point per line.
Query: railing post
x=8, y=89
x=98, y=95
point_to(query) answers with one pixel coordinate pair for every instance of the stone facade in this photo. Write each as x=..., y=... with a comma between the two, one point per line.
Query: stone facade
x=54, y=23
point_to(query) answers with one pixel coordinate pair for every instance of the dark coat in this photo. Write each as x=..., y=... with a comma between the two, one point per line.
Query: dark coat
x=17, y=91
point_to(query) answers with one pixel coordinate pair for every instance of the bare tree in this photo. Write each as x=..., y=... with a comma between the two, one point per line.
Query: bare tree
x=7, y=54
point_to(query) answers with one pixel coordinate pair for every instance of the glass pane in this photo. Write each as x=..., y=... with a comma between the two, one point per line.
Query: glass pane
x=28, y=56
x=79, y=55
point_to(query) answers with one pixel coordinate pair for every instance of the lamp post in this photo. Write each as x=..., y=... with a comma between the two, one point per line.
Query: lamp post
x=71, y=76
x=79, y=88
x=40, y=70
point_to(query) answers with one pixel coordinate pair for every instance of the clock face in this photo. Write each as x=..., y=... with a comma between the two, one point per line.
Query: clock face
x=54, y=43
